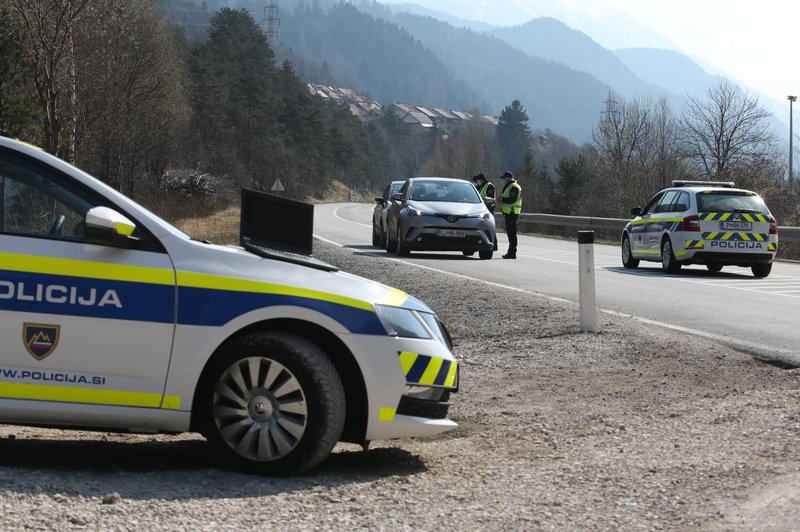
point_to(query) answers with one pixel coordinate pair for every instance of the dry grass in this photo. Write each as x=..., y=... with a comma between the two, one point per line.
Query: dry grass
x=220, y=228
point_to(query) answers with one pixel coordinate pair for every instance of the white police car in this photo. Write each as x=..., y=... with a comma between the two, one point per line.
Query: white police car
x=112, y=319
x=702, y=222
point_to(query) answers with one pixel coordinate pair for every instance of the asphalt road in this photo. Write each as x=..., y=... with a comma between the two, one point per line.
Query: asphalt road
x=758, y=316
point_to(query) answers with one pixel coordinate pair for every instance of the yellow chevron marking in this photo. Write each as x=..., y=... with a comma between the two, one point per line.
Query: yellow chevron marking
x=429, y=377
x=450, y=380
x=407, y=360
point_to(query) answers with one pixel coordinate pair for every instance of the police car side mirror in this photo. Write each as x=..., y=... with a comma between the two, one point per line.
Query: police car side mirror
x=489, y=201
x=106, y=226
x=636, y=211
x=397, y=196
x=379, y=201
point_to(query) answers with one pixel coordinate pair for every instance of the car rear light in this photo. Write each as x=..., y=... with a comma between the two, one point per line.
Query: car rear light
x=773, y=226
x=691, y=223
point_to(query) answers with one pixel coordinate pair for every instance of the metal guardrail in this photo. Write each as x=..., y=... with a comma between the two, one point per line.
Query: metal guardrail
x=587, y=223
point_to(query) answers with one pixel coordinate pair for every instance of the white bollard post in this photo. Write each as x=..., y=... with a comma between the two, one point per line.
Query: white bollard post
x=588, y=310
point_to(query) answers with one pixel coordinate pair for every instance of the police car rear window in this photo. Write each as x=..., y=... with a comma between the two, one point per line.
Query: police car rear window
x=730, y=202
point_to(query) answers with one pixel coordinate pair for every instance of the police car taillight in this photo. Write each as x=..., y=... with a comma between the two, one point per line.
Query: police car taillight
x=773, y=226
x=691, y=223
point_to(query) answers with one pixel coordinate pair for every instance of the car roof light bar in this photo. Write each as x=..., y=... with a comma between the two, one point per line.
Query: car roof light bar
x=681, y=183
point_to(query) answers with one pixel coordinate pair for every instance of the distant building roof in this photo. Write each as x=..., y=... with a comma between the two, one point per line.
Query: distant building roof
x=366, y=109
x=428, y=112
x=445, y=113
x=419, y=118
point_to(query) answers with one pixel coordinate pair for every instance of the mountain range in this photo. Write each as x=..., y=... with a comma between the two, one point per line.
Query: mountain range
x=414, y=54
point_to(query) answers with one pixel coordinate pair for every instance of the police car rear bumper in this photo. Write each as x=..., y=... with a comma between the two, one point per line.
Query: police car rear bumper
x=733, y=259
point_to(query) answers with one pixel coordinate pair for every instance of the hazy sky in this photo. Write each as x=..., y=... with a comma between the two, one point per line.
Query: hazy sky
x=755, y=41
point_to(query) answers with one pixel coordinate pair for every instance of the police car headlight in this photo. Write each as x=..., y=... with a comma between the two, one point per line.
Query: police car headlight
x=437, y=328
x=402, y=322
x=481, y=215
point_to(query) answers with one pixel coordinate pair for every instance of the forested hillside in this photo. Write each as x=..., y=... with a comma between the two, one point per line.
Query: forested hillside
x=148, y=111
x=374, y=57
x=557, y=97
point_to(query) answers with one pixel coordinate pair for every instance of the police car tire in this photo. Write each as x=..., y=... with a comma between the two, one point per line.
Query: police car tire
x=761, y=270
x=485, y=255
x=668, y=262
x=321, y=387
x=714, y=267
x=627, y=255
x=401, y=248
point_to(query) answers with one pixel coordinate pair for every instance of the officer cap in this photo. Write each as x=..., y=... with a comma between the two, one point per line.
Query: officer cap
x=507, y=174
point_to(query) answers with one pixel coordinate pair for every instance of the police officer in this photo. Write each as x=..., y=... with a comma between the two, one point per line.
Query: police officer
x=486, y=190
x=511, y=206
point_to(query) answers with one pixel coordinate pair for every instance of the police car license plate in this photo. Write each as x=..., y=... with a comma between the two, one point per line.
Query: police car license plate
x=451, y=233
x=736, y=226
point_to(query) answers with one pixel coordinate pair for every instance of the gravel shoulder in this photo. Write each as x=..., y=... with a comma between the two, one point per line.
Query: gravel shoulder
x=634, y=427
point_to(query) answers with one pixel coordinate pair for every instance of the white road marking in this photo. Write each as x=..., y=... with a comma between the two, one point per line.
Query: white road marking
x=336, y=214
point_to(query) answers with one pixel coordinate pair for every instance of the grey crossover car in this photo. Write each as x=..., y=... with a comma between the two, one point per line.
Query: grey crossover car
x=439, y=214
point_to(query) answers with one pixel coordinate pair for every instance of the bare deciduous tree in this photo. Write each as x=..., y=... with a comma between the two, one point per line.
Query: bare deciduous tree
x=50, y=26
x=727, y=133
x=131, y=97
x=467, y=151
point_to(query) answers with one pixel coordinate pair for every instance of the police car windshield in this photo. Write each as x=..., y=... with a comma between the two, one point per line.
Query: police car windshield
x=724, y=201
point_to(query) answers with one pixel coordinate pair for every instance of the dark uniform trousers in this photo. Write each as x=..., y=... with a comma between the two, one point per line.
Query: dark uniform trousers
x=511, y=232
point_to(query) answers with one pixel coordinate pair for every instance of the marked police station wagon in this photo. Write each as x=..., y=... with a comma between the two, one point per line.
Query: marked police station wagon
x=114, y=320
x=702, y=222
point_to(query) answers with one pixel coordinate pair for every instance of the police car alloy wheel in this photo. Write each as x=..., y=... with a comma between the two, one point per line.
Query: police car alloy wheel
x=668, y=262
x=627, y=256
x=272, y=403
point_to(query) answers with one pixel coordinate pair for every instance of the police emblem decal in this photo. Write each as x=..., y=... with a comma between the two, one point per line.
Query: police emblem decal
x=40, y=339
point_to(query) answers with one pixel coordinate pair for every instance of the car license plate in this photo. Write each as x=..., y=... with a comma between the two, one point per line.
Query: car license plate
x=736, y=226
x=451, y=233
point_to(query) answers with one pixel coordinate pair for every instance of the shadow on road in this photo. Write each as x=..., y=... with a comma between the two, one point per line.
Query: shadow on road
x=692, y=273
x=428, y=255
